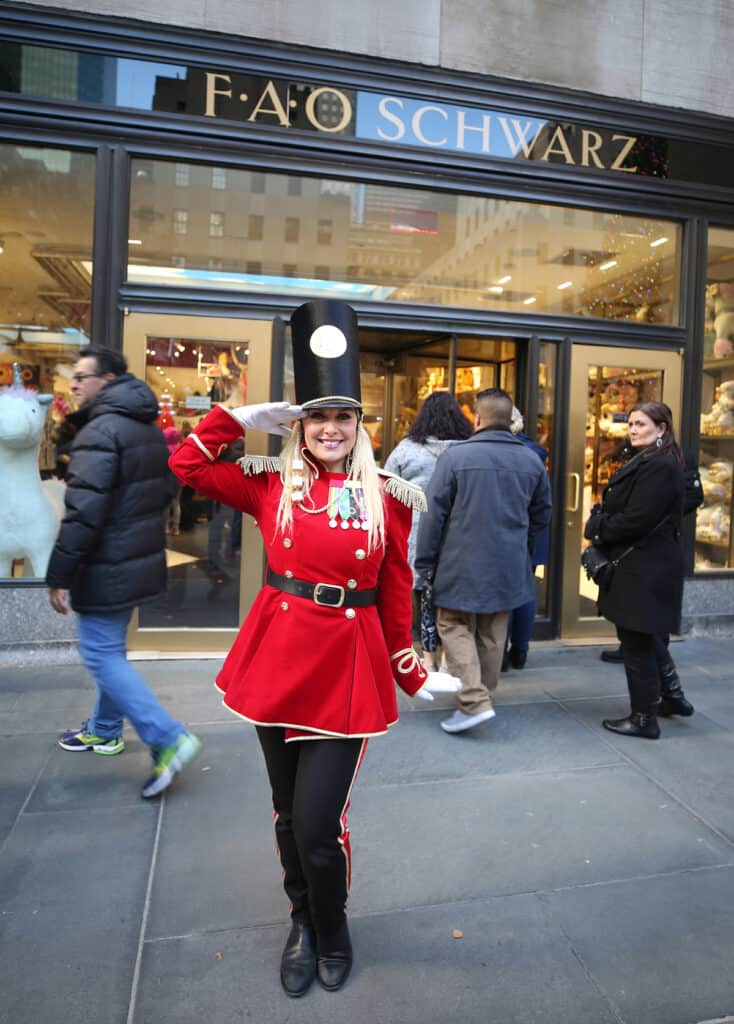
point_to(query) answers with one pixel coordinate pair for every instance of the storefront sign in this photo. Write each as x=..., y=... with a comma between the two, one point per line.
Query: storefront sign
x=412, y=122
x=503, y=134
x=257, y=100
x=425, y=123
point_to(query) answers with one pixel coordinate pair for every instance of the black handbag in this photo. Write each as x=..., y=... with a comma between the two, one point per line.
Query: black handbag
x=600, y=569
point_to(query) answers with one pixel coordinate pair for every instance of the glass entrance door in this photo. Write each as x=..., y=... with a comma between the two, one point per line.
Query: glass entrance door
x=215, y=560
x=605, y=385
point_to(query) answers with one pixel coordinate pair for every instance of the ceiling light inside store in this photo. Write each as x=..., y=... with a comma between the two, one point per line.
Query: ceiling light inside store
x=658, y=241
x=564, y=284
x=2, y=248
x=134, y=241
x=138, y=273
x=505, y=279
x=530, y=301
x=608, y=265
x=496, y=289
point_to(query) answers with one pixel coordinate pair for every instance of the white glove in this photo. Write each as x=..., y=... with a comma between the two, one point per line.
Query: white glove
x=424, y=694
x=442, y=682
x=270, y=417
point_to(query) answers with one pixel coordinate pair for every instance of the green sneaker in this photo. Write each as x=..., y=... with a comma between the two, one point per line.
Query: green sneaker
x=169, y=761
x=88, y=741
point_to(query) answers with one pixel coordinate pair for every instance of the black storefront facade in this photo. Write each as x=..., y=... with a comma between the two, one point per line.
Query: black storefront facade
x=185, y=192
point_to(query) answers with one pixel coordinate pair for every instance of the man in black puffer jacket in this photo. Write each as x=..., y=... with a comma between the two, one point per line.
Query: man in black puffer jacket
x=110, y=556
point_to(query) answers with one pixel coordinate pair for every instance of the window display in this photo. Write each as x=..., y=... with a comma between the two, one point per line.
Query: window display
x=28, y=522
x=45, y=260
x=716, y=459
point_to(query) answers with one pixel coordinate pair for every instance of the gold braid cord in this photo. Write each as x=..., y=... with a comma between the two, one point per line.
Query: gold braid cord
x=405, y=661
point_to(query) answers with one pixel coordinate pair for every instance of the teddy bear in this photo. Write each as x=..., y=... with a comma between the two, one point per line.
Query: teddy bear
x=720, y=420
x=720, y=313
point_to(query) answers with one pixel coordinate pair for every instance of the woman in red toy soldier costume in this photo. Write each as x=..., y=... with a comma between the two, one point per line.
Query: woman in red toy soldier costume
x=315, y=664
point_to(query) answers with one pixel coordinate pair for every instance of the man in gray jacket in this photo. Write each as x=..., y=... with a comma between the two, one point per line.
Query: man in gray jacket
x=488, y=502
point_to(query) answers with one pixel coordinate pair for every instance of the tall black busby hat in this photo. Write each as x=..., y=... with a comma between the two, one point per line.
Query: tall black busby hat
x=326, y=354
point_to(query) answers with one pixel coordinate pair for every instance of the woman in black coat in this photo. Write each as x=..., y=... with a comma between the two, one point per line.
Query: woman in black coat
x=641, y=509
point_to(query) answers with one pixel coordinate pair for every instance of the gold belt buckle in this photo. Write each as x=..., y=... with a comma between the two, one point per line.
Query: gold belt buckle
x=319, y=589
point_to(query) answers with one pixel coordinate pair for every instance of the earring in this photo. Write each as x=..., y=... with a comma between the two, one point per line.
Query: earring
x=659, y=443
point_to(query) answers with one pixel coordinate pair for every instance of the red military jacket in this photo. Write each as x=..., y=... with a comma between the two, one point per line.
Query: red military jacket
x=312, y=669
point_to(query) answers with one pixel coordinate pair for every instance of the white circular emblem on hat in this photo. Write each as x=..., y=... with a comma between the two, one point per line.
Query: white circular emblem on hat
x=328, y=342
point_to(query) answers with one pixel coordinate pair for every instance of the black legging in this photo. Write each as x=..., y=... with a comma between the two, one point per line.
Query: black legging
x=311, y=782
x=644, y=656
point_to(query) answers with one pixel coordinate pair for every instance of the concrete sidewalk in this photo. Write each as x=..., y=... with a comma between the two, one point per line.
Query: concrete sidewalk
x=588, y=878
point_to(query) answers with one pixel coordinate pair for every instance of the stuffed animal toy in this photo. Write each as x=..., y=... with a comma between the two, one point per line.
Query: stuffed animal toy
x=28, y=523
x=720, y=312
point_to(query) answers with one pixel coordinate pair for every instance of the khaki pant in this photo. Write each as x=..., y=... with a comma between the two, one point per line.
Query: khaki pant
x=474, y=644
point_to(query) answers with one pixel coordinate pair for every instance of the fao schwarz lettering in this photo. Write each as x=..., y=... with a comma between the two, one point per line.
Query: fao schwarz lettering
x=422, y=123
x=445, y=126
x=283, y=104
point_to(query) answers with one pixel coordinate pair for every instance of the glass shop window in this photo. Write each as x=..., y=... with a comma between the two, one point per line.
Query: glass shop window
x=714, y=549
x=398, y=244
x=45, y=300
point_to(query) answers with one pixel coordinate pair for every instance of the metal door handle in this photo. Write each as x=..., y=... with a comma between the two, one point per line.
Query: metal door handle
x=573, y=506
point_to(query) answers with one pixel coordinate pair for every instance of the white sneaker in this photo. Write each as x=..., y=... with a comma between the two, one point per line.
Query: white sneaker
x=460, y=721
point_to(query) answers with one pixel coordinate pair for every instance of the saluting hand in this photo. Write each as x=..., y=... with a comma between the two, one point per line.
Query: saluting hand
x=270, y=417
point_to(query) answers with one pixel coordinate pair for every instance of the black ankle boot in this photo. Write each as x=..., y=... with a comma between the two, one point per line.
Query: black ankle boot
x=335, y=961
x=298, y=963
x=645, y=726
x=674, y=702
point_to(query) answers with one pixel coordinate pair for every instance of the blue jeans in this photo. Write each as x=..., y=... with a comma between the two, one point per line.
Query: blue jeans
x=121, y=690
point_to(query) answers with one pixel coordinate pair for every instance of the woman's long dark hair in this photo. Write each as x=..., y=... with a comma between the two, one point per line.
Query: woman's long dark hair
x=440, y=417
x=661, y=416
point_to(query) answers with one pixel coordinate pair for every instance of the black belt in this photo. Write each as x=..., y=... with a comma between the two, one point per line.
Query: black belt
x=327, y=595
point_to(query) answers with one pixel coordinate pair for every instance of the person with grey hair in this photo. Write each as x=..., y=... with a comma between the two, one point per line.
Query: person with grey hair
x=488, y=502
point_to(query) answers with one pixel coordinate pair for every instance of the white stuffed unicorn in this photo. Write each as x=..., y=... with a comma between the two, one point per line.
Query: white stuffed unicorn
x=28, y=523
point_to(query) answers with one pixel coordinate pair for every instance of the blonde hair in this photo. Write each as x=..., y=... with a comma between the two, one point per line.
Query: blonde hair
x=361, y=468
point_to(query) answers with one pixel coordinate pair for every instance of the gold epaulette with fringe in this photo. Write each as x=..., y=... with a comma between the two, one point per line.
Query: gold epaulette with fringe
x=406, y=493
x=251, y=465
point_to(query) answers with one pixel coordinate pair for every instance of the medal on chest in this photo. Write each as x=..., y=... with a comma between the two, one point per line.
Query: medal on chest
x=346, y=506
